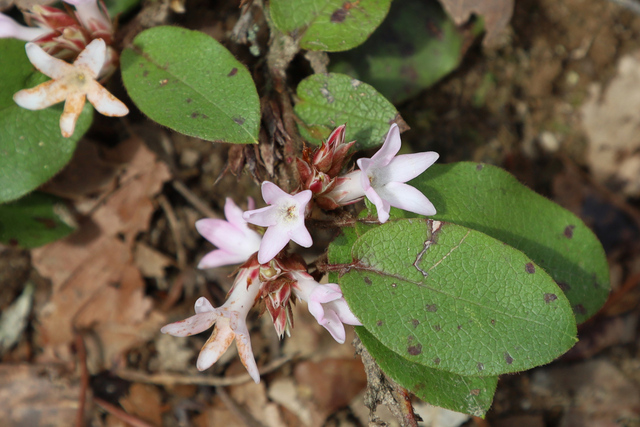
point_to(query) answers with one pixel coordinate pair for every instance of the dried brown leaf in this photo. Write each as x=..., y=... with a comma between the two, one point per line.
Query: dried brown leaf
x=95, y=282
x=144, y=401
x=496, y=15
x=37, y=395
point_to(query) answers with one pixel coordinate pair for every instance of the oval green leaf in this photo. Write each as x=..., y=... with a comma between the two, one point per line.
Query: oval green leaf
x=491, y=200
x=32, y=150
x=329, y=25
x=469, y=395
x=329, y=100
x=189, y=82
x=452, y=298
x=33, y=221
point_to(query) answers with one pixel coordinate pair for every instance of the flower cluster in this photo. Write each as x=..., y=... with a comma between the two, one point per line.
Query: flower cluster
x=269, y=275
x=64, y=34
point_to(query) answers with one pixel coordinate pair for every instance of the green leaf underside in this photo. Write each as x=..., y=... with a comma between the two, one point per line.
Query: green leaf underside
x=456, y=299
x=329, y=25
x=32, y=149
x=489, y=199
x=414, y=47
x=32, y=221
x=327, y=101
x=189, y=82
x=466, y=394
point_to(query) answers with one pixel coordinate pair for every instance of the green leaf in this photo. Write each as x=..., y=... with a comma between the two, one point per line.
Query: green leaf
x=33, y=221
x=415, y=46
x=329, y=100
x=470, y=395
x=489, y=199
x=120, y=7
x=329, y=25
x=32, y=149
x=451, y=298
x=189, y=82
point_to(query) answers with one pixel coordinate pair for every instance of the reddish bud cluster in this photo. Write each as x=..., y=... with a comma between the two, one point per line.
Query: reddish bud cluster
x=319, y=168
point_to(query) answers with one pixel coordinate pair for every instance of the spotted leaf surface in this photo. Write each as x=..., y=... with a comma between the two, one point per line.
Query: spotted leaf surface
x=189, y=82
x=329, y=25
x=33, y=220
x=32, y=149
x=448, y=297
x=468, y=394
x=329, y=100
x=491, y=200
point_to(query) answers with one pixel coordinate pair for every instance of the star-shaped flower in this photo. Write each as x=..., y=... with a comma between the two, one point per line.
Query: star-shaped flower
x=384, y=175
x=71, y=83
x=325, y=303
x=236, y=242
x=284, y=219
x=230, y=320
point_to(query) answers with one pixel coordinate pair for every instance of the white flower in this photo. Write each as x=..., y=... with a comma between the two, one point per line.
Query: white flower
x=384, y=175
x=71, y=83
x=325, y=303
x=284, y=219
x=230, y=323
x=11, y=29
x=236, y=242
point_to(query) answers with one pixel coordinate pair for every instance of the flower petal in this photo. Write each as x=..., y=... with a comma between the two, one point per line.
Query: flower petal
x=218, y=258
x=271, y=192
x=72, y=109
x=390, y=147
x=408, y=198
x=405, y=167
x=264, y=217
x=233, y=213
x=243, y=343
x=302, y=198
x=47, y=64
x=216, y=345
x=203, y=305
x=192, y=325
x=382, y=206
x=104, y=102
x=220, y=233
x=41, y=96
x=344, y=312
x=300, y=235
x=11, y=29
x=273, y=241
x=332, y=323
x=92, y=57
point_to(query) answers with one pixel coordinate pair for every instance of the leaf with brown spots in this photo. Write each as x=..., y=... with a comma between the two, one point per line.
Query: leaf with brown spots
x=210, y=95
x=328, y=25
x=464, y=278
x=471, y=395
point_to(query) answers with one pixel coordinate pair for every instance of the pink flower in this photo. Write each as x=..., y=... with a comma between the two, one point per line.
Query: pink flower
x=284, y=219
x=11, y=29
x=230, y=323
x=384, y=175
x=236, y=242
x=325, y=303
x=71, y=83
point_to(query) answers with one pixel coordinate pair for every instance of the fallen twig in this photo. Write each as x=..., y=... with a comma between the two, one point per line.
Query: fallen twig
x=166, y=379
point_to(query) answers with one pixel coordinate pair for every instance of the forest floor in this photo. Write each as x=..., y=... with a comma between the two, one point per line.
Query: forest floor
x=557, y=104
